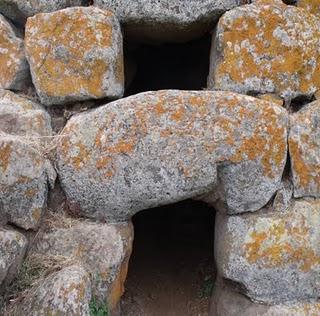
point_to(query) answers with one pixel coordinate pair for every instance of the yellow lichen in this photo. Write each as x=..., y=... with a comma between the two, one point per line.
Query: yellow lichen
x=250, y=48
x=63, y=67
x=282, y=242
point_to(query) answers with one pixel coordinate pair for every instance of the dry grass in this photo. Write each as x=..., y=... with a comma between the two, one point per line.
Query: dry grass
x=33, y=271
x=59, y=220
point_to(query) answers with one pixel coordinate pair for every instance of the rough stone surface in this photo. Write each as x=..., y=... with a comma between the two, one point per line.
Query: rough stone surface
x=13, y=64
x=22, y=117
x=267, y=47
x=24, y=176
x=167, y=20
x=12, y=249
x=103, y=249
x=227, y=302
x=273, y=256
x=19, y=10
x=75, y=54
x=158, y=148
x=312, y=6
x=66, y=292
x=304, y=147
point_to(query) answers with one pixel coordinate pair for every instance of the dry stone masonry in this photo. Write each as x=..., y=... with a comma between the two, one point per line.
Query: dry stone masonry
x=248, y=145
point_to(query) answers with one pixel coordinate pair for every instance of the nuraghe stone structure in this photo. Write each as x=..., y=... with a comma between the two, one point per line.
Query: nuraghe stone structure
x=249, y=145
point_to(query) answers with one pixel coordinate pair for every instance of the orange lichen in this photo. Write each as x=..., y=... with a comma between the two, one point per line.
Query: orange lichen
x=70, y=71
x=313, y=6
x=36, y=214
x=266, y=142
x=306, y=173
x=81, y=157
x=5, y=153
x=284, y=242
x=11, y=56
x=251, y=49
x=117, y=286
x=31, y=192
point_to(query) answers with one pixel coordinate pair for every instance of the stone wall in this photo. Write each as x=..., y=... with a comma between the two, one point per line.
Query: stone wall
x=77, y=160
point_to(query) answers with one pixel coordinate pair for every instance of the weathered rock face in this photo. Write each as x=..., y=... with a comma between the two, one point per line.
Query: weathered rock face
x=75, y=54
x=23, y=117
x=273, y=256
x=226, y=302
x=12, y=249
x=167, y=21
x=267, y=47
x=304, y=144
x=19, y=10
x=13, y=64
x=311, y=6
x=103, y=249
x=24, y=176
x=160, y=147
x=67, y=292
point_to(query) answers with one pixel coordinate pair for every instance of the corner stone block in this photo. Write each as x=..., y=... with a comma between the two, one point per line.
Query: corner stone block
x=267, y=47
x=273, y=257
x=75, y=54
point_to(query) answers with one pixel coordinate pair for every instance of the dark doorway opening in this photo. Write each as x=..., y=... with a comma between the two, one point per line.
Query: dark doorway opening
x=168, y=66
x=171, y=270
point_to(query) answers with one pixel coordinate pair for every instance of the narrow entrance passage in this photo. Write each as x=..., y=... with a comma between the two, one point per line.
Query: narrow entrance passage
x=171, y=271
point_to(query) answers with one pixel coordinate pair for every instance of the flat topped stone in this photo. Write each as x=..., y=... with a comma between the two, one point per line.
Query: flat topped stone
x=267, y=47
x=75, y=54
x=167, y=20
x=19, y=10
x=157, y=148
x=13, y=64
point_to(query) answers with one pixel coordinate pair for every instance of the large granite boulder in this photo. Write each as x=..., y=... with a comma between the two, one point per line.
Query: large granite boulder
x=158, y=148
x=103, y=249
x=167, y=20
x=267, y=47
x=75, y=54
x=13, y=63
x=272, y=256
x=304, y=147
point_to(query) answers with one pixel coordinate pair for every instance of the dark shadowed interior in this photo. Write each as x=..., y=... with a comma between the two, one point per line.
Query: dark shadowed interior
x=168, y=66
x=171, y=270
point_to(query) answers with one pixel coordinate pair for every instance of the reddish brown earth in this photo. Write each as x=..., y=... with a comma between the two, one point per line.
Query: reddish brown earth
x=171, y=269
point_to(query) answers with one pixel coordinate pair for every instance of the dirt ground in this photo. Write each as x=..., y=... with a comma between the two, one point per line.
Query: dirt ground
x=171, y=271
